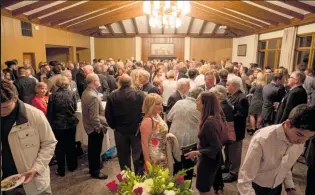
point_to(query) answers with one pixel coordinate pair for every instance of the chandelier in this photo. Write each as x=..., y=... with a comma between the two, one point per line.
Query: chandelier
x=166, y=14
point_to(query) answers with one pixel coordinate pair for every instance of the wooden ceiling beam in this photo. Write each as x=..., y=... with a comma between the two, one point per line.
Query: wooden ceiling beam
x=134, y=22
x=128, y=11
x=216, y=27
x=223, y=15
x=280, y=9
x=110, y=29
x=30, y=7
x=208, y=16
x=301, y=5
x=8, y=3
x=162, y=30
x=148, y=21
x=204, y=24
x=74, y=12
x=180, y=35
x=51, y=9
x=78, y=20
x=121, y=24
x=190, y=25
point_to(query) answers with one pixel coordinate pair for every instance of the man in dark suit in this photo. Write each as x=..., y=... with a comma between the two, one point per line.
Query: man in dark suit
x=234, y=150
x=124, y=114
x=210, y=81
x=272, y=94
x=296, y=96
x=25, y=86
x=183, y=86
x=94, y=124
x=12, y=66
x=147, y=86
x=80, y=78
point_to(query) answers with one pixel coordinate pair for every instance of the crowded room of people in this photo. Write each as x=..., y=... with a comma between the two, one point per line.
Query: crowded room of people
x=157, y=97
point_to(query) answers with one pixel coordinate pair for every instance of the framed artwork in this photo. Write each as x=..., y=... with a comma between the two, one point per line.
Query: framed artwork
x=241, y=50
x=162, y=49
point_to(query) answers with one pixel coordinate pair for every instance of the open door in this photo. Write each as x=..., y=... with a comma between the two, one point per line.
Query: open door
x=31, y=58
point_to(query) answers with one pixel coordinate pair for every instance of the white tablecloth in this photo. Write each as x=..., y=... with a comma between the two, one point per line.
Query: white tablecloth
x=81, y=135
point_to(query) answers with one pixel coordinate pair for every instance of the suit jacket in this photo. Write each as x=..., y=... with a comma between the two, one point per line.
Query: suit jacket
x=172, y=100
x=182, y=73
x=271, y=93
x=111, y=82
x=124, y=110
x=104, y=88
x=241, y=105
x=92, y=112
x=26, y=88
x=293, y=98
x=80, y=80
x=150, y=88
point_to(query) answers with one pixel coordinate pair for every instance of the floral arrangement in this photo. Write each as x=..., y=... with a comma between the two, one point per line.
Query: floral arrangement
x=155, y=181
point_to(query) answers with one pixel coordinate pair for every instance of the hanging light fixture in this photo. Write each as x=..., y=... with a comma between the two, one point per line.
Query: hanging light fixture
x=167, y=14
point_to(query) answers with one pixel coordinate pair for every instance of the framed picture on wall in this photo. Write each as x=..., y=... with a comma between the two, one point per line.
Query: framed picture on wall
x=162, y=49
x=241, y=50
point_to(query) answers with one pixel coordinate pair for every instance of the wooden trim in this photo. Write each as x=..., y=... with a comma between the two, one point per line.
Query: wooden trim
x=135, y=25
x=51, y=9
x=280, y=9
x=110, y=29
x=162, y=30
x=204, y=24
x=148, y=21
x=301, y=5
x=190, y=25
x=30, y=7
x=8, y=3
x=121, y=24
x=181, y=35
x=215, y=29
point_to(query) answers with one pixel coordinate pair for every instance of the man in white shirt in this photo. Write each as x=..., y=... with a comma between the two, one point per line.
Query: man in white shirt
x=272, y=153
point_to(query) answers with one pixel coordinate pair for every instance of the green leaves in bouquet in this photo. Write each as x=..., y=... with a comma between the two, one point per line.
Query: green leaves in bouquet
x=129, y=183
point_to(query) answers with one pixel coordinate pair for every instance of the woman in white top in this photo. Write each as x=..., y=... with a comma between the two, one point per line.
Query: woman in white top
x=169, y=86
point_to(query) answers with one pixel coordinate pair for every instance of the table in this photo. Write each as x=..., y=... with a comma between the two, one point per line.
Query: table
x=81, y=135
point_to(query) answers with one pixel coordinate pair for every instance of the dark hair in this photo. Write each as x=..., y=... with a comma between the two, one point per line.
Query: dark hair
x=277, y=76
x=7, y=90
x=111, y=70
x=303, y=118
x=223, y=74
x=53, y=63
x=57, y=69
x=192, y=73
x=98, y=70
x=94, y=60
x=301, y=67
x=10, y=63
x=21, y=70
x=211, y=107
x=300, y=76
x=124, y=82
x=267, y=67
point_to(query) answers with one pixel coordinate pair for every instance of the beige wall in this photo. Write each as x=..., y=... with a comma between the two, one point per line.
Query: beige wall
x=212, y=49
x=116, y=48
x=13, y=44
x=84, y=55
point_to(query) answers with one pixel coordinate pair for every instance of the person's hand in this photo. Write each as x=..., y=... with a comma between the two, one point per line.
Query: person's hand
x=291, y=192
x=29, y=175
x=191, y=155
x=276, y=105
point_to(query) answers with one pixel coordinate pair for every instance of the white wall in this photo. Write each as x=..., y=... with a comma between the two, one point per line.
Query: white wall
x=271, y=35
x=251, y=49
x=306, y=29
x=92, y=49
x=138, y=48
x=187, y=48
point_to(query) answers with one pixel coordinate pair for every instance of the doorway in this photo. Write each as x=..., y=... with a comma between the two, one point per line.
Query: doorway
x=31, y=58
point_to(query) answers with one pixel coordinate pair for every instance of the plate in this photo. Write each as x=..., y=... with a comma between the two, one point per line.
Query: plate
x=15, y=180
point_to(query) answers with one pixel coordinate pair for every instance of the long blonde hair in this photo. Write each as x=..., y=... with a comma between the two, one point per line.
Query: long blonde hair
x=149, y=102
x=261, y=79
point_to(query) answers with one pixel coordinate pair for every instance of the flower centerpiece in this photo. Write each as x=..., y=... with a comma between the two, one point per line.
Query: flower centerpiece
x=155, y=181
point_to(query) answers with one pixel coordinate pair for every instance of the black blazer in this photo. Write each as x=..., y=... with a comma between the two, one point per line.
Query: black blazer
x=271, y=93
x=104, y=88
x=241, y=106
x=182, y=73
x=150, y=88
x=26, y=88
x=172, y=100
x=294, y=97
x=123, y=110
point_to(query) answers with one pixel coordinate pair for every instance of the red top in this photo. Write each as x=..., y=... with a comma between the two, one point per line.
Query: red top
x=40, y=103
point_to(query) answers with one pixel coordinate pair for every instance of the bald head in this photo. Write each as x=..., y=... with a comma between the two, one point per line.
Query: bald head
x=125, y=80
x=92, y=80
x=88, y=69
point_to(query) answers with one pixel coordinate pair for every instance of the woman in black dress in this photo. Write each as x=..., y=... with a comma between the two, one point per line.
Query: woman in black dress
x=256, y=103
x=209, y=149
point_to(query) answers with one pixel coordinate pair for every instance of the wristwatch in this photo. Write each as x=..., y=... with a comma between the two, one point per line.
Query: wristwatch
x=290, y=189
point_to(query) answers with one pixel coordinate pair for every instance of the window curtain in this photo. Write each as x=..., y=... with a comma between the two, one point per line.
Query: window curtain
x=287, y=48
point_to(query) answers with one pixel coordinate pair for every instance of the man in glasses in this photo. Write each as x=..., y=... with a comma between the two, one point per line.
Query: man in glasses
x=272, y=153
x=296, y=96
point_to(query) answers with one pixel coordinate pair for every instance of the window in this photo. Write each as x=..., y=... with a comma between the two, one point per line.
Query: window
x=26, y=28
x=269, y=53
x=305, y=50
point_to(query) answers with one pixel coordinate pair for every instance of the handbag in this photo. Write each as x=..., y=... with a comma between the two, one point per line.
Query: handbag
x=227, y=134
x=189, y=148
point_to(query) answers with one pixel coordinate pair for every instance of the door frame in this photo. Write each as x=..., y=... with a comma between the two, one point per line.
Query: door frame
x=33, y=59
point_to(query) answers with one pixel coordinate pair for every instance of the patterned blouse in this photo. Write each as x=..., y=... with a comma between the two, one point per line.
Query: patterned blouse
x=157, y=143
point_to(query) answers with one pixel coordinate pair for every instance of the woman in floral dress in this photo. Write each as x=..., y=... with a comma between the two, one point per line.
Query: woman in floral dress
x=153, y=131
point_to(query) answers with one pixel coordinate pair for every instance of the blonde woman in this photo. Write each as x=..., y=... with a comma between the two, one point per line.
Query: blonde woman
x=153, y=131
x=40, y=100
x=256, y=103
x=135, y=79
x=200, y=79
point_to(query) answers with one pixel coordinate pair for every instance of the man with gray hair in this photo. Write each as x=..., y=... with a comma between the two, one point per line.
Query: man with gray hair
x=183, y=86
x=241, y=105
x=144, y=80
x=185, y=119
x=124, y=114
x=94, y=124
